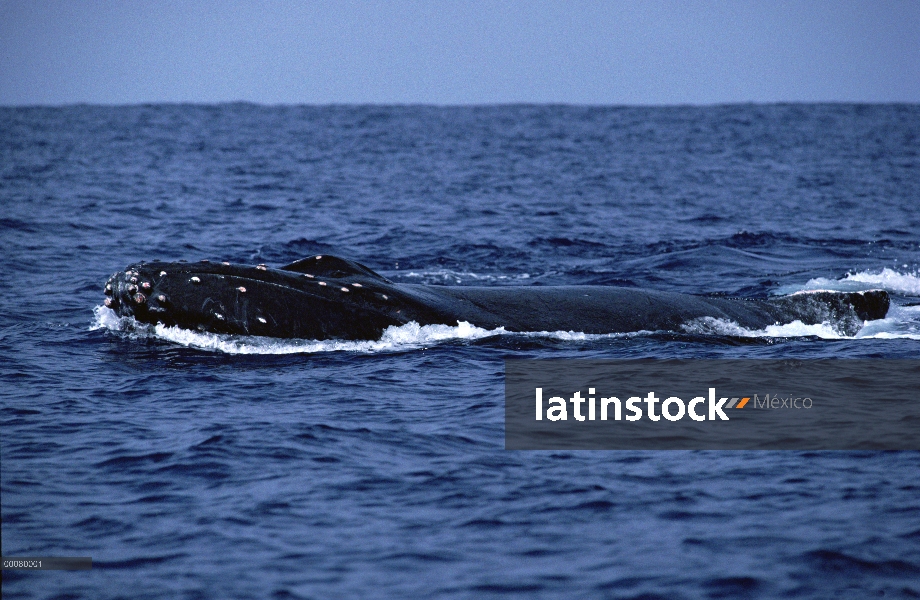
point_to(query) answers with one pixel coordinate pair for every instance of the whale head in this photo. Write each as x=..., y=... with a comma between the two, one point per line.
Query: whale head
x=320, y=297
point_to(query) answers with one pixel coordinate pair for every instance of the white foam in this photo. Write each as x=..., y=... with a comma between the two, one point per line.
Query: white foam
x=713, y=326
x=892, y=281
x=405, y=337
x=899, y=324
x=902, y=322
x=106, y=318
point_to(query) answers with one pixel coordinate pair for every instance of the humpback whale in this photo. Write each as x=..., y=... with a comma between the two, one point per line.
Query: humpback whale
x=326, y=297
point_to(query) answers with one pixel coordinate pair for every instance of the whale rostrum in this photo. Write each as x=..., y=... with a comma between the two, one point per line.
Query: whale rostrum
x=326, y=297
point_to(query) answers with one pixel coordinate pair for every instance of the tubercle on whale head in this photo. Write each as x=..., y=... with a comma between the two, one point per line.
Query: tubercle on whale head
x=337, y=301
x=129, y=293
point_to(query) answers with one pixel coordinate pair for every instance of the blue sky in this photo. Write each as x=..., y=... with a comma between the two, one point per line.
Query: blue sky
x=455, y=52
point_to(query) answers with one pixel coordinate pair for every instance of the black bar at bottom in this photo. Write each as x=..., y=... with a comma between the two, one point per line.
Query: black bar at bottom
x=48, y=563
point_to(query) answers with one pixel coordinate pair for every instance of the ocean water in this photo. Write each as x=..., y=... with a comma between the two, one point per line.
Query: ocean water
x=192, y=465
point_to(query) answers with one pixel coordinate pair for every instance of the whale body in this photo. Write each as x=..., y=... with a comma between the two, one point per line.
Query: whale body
x=326, y=297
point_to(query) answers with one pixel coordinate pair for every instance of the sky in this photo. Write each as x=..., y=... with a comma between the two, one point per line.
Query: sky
x=645, y=52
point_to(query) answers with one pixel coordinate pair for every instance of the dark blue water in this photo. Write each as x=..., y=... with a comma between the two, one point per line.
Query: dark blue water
x=200, y=466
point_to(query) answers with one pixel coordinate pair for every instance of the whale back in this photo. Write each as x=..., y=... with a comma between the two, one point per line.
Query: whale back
x=608, y=309
x=332, y=266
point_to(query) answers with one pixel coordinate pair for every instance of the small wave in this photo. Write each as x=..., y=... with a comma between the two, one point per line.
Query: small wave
x=907, y=284
x=448, y=275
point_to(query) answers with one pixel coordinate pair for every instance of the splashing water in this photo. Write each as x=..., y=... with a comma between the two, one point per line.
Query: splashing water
x=405, y=337
x=907, y=284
